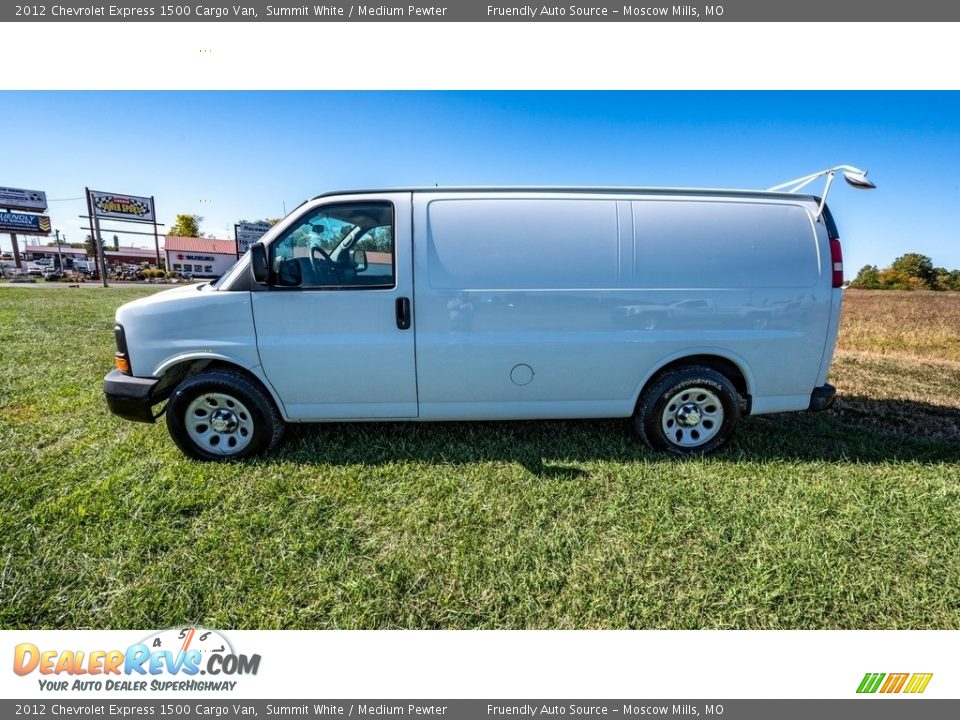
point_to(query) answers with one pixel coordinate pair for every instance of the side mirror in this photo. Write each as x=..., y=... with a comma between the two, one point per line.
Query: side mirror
x=259, y=264
x=359, y=260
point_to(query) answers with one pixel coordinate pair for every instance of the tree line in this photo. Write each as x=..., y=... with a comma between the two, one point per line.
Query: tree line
x=912, y=271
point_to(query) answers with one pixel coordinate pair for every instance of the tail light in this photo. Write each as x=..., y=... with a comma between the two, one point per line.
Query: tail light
x=836, y=262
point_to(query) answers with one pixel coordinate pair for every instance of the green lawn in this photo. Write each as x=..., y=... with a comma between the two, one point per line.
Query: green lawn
x=846, y=519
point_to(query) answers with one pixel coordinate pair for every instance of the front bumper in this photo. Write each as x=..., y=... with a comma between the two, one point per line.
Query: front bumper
x=822, y=397
x=129, y=397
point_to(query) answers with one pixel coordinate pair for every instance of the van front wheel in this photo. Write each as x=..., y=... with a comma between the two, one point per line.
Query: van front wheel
x=689, y=411
x=222, y=415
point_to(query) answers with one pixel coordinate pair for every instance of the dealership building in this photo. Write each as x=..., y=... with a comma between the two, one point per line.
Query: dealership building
x=129, y=255
x=40, y=252
x=204, y=257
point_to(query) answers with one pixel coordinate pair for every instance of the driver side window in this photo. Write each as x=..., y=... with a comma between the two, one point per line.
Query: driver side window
x=349, y=245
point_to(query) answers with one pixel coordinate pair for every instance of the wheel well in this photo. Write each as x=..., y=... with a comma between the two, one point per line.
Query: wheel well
x=722, y=365
x=175, y=374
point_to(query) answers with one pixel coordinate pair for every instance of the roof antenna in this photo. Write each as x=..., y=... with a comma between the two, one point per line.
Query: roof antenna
x=854, y=176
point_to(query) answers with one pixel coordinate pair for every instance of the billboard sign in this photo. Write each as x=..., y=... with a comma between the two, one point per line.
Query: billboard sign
x=247, y=233
x=25, y=224
x=122, y=207
x=20, y=199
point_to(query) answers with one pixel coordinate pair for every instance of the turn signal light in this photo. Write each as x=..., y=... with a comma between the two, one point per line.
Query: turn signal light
x=123, y=365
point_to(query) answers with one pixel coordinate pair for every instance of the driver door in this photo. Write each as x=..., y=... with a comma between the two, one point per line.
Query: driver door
x=340, y=343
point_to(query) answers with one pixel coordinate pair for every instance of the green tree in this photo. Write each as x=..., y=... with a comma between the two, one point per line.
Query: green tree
x=918, y=266
x=893, y=279
x=868, y=278
x=942, y=279
x=186, y=226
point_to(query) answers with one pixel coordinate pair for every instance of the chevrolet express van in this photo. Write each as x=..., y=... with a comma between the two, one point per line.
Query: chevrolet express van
x=681, y=309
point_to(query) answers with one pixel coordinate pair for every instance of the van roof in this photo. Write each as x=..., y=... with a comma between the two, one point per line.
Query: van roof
x=601, y=189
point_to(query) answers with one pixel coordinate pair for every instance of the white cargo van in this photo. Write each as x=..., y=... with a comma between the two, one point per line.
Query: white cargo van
x=680, y=309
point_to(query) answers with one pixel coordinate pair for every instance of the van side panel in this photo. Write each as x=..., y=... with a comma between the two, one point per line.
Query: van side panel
x=715, y=244
x=747, y=276
x=513, y=307
x=548, y=305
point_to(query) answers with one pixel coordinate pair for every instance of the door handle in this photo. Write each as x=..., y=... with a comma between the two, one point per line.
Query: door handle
x=403, y=313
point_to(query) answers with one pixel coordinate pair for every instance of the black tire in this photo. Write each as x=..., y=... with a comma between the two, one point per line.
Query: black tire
x=262, y=425
x=680, y=396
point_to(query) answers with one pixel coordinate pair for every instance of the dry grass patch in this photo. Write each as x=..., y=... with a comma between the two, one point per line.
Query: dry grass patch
x=897, y=367
x=918, y=324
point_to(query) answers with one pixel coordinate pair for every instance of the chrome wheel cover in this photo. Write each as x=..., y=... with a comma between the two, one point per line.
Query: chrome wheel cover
x=692, y=417
x=219, y=423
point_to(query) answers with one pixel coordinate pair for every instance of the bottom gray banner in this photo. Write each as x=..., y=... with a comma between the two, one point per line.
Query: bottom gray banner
x=872, y=708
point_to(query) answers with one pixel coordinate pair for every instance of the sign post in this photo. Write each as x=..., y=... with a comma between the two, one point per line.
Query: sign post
x=118, y=207
x=95, y=236
x=156, y=237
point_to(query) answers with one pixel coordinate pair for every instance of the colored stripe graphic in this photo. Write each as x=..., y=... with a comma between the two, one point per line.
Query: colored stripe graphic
x=870, y=682
x=894, y=682
x=918, y=683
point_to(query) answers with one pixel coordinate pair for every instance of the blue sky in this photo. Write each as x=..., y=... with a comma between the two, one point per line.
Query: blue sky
x=232, y=155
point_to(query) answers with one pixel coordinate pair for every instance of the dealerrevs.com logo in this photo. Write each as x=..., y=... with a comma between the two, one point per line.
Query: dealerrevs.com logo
x=180, y=659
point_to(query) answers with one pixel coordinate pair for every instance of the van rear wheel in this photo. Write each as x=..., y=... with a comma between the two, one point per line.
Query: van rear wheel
x=688, y=411
x=222, y=415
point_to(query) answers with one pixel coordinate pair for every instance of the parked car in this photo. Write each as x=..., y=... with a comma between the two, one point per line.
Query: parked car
x=52, y=275
x=480, y=304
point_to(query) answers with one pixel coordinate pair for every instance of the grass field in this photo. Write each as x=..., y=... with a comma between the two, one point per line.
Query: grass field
x=844, y=519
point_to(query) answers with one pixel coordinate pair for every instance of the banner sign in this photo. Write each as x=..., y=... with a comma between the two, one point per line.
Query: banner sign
x=616, y=11
x=247, y=233
x=20, y=199
x=122, y=207
x=25, y=224
x=872, y=674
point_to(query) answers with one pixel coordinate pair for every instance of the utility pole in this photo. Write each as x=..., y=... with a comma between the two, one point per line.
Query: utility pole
x=16, y=251
x=59, y=254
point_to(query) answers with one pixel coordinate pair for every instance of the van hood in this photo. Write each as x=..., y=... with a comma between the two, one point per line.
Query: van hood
x=176, y=293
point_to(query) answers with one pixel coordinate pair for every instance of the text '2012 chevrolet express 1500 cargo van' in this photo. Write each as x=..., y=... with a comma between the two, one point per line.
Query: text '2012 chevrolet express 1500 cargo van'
x=680, y=309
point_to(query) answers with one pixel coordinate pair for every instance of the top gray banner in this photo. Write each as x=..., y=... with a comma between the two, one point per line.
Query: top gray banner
x=484, y=11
